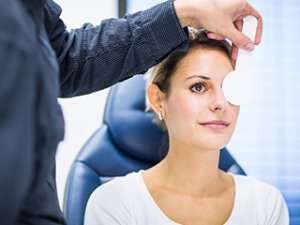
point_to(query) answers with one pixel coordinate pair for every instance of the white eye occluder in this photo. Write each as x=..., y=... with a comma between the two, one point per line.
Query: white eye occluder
x=239, y=85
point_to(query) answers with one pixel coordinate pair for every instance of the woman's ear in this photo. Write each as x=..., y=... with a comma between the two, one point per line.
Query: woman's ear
x=155, y=96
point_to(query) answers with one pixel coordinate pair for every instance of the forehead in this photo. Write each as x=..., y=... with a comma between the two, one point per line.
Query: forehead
x=204, y=61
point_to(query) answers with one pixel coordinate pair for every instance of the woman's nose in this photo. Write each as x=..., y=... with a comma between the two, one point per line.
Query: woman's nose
x=218, y=102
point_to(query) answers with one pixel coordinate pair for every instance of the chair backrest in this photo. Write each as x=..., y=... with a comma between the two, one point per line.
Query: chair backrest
x=127, y=141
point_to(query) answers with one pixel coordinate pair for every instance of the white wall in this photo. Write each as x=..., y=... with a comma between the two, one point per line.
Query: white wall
x=83, y=115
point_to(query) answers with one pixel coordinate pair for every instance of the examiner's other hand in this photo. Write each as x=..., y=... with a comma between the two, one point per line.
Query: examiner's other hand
x=219, y=17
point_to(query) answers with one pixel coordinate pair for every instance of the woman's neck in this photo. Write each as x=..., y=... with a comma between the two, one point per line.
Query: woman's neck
x=192, y=171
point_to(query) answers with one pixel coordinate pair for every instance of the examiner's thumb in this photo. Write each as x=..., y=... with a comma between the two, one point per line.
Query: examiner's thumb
x=239, y=39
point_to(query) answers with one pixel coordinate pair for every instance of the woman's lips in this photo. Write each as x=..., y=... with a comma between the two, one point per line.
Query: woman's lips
x=216, y=124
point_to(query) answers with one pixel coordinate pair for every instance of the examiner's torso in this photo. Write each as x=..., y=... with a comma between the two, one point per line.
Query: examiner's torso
x=127, y=200
x=40, y=206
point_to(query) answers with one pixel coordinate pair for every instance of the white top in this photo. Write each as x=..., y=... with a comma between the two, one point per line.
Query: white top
x=127, y=201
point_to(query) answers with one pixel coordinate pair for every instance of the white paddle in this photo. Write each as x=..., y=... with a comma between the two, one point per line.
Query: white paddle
x=238, y=85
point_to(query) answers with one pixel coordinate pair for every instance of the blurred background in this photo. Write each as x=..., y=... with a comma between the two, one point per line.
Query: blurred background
x=266, y=142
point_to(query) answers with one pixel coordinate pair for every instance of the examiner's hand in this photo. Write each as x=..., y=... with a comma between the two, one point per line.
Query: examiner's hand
x=220, y=18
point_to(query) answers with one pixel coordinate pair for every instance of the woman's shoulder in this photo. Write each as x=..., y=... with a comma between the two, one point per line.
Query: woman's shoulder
x=118, y=186
x=265, y=199
x=260, y=187
x=111, y=203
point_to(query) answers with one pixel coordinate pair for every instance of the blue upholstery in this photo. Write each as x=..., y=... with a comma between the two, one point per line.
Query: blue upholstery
x=127, y=141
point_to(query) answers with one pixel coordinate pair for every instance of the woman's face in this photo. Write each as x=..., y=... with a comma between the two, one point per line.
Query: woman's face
x=196, y=111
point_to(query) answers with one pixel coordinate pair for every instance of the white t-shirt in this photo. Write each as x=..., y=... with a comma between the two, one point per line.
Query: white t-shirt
x=127, y=201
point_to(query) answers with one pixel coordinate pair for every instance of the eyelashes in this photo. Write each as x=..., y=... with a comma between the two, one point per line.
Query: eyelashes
x=199, y=87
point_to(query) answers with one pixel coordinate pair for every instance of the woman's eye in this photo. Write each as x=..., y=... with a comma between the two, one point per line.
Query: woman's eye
x=199, y=87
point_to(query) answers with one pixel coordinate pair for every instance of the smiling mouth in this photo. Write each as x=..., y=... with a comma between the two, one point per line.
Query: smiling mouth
x=215, y=124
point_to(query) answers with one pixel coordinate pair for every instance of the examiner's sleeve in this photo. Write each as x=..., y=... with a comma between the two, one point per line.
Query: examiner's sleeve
x=94, y=57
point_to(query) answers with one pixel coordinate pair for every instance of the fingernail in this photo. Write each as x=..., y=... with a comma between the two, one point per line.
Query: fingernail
x=249, y=47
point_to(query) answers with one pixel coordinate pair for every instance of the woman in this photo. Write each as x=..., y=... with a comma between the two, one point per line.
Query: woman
x=187, y=187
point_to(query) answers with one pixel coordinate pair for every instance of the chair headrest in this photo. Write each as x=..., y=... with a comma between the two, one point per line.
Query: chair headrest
x=132, y=129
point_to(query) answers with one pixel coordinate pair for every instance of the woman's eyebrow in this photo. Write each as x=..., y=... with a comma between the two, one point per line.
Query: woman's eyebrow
x=198, y=76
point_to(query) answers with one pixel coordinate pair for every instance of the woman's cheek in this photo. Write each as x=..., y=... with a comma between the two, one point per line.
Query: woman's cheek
x=185, y=107
x=235, y=113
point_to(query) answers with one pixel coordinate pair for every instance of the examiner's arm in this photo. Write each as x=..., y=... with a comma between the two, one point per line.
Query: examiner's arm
x=95, y=57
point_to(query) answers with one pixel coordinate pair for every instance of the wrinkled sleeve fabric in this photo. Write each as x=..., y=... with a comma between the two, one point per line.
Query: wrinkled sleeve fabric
x=95, y=57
